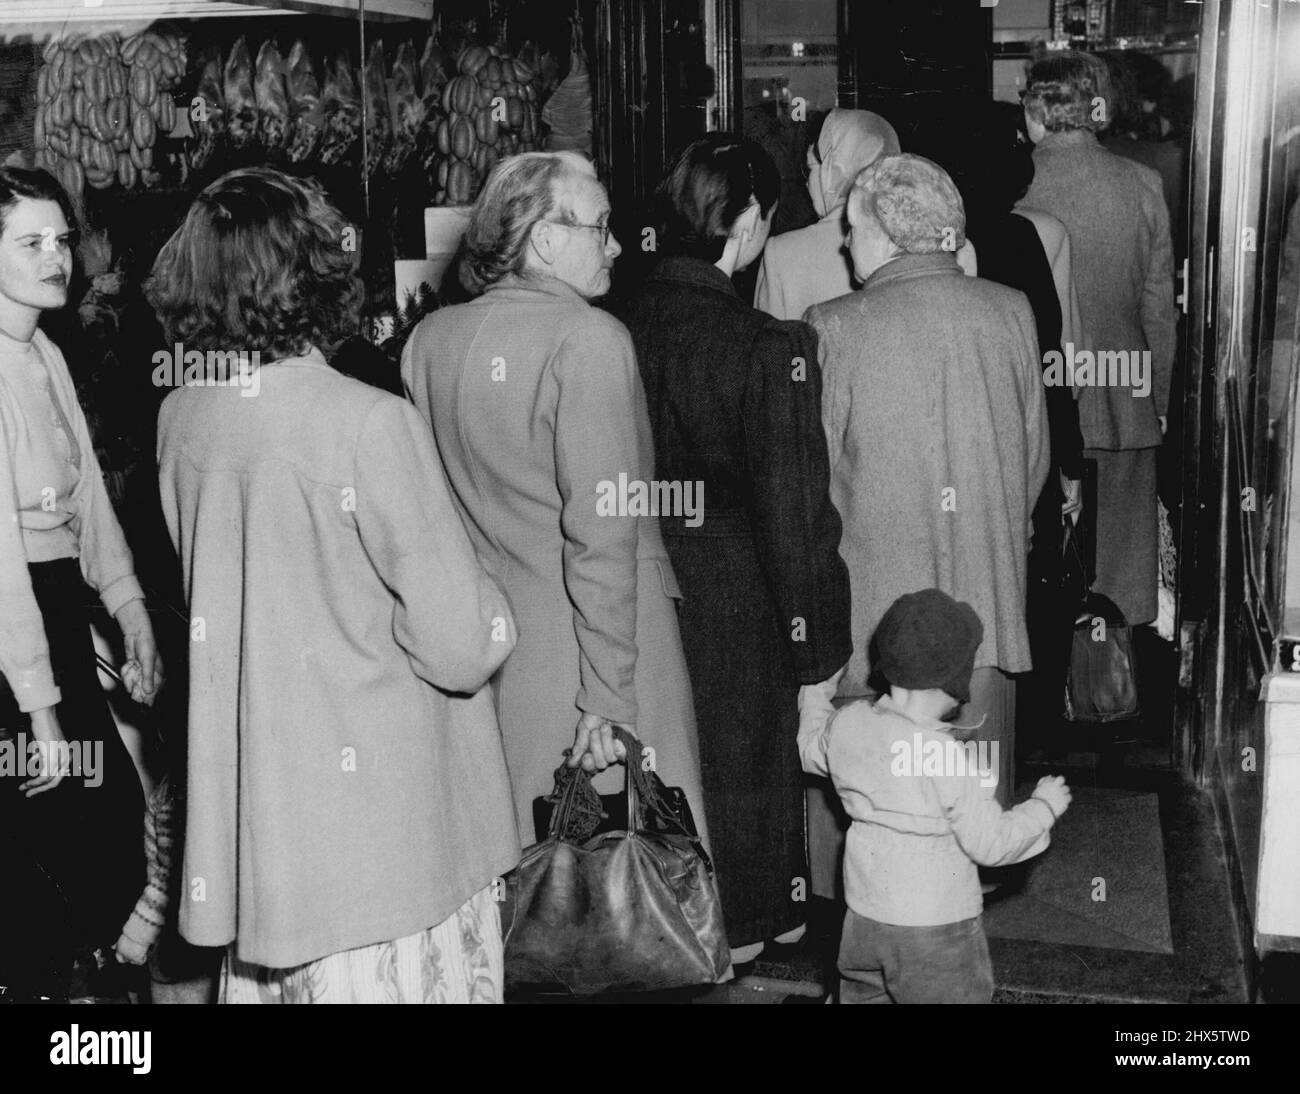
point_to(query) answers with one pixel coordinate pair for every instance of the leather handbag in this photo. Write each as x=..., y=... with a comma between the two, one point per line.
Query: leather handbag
x=1101, y=684
x=627, y=910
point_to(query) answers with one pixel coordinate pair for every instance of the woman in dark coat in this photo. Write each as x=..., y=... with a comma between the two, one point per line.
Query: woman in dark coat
x=991, y=162
x=735, y=404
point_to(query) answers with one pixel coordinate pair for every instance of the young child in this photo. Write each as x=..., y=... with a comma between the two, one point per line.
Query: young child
x=922, y=810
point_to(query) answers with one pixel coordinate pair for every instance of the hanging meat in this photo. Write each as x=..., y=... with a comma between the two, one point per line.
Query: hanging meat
x=379, y=125
x=342, y=109
x=208, y=111
x=241, y=102
x=568, y=110
x=405, y=108
x=306, y=110
x=272, y=100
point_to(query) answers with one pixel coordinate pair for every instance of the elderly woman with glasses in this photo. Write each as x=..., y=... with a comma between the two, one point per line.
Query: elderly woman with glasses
x=936, y=425
x=540, y=417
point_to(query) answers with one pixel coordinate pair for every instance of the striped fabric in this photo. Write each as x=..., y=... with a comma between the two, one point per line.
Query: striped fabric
x=146, y=921
x=457, y=961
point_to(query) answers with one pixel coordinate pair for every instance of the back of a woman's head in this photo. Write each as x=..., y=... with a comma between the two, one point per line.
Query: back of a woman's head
x=17, y=183
x=520, y=191
x=707, y=188
x=1068, y=90
x=261, y=263
x=914, y=201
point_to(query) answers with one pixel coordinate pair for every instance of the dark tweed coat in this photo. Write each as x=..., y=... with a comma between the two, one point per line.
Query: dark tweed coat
x=765, y=594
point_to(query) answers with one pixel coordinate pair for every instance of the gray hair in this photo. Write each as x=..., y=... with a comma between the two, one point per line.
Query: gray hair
x=520, y=191
x=915, y=203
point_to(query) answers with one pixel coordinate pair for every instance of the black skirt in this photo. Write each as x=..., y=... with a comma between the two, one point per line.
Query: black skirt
x=72, y=858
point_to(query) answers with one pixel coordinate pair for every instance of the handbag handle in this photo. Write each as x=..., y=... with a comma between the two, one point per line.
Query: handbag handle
x=578, y=804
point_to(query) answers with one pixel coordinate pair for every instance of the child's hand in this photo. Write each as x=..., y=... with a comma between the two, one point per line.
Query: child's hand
x=1053, y=790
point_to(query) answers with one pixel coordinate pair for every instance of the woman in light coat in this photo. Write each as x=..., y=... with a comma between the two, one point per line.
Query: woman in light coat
x=348, y=807
x=1114, y=210
x=540, y=418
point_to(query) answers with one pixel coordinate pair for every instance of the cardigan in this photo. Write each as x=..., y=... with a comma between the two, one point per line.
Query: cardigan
x=52, y=491
x=922, y=811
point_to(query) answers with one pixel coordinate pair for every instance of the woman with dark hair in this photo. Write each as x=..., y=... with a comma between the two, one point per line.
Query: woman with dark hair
x=348, y=805
x=1115, y=212
x=78, y=830
x=735, y=405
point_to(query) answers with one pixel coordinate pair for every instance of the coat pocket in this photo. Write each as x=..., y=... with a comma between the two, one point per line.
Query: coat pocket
x=668, y=579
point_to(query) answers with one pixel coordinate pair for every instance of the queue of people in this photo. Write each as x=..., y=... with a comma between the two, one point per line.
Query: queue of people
x=406, y=612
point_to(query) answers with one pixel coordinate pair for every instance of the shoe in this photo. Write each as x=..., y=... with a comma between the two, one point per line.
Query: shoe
x=746, y=955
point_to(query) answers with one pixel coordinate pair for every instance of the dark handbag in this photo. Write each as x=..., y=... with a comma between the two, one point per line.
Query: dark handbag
x=628, y=910
x=1101, y=683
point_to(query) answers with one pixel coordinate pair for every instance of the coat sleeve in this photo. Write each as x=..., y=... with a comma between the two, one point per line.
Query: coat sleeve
x=990, y=835
x=24, y=652
x=596, y=440
x=835, y=402
x=1038, y=437
x=449, y=615
x=768, y=296
x=1159, y=317
x=796, y=528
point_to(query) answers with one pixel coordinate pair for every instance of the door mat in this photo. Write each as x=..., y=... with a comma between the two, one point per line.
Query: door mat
x=1102, y=882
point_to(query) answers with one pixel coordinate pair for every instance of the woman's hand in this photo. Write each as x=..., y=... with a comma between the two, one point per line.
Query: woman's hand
x=1072, y=506
x=143, y=672
x=54, y=751
x=128, y=951
x=594, y=745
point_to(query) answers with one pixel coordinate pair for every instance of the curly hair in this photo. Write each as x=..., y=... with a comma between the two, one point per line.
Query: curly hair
x=708, y=187
x=1063, y=91
x=37, y=184
x=914, y=201
x=520, y=191
x=261, y=263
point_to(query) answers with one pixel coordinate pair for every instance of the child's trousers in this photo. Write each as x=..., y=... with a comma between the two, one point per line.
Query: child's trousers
x=886, y=963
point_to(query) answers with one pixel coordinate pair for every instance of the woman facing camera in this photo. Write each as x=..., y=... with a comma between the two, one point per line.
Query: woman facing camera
x=735, y=404
x=540, y=418
x=348, y=804
x=76, y=820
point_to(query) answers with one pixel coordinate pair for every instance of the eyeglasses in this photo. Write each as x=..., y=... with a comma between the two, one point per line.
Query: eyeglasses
x=604, y=229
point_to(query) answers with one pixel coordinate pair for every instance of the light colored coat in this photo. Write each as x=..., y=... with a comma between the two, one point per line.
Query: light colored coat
x=1115, y=212
x=931, y=383
x=1056, y=246
x=535, y=402
x=336, y=796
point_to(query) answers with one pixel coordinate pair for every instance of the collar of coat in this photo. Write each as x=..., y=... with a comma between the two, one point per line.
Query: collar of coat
x=909, y=266
x=1068, y=138
x=516, y=284
x=693, y=271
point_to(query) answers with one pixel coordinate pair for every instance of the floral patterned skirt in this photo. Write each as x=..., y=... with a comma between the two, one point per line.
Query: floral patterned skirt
x=457, y=961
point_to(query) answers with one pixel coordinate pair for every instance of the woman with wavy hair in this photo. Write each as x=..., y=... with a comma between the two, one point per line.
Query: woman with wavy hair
x=77, y=833
x=540, y=418
x=348, y=805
